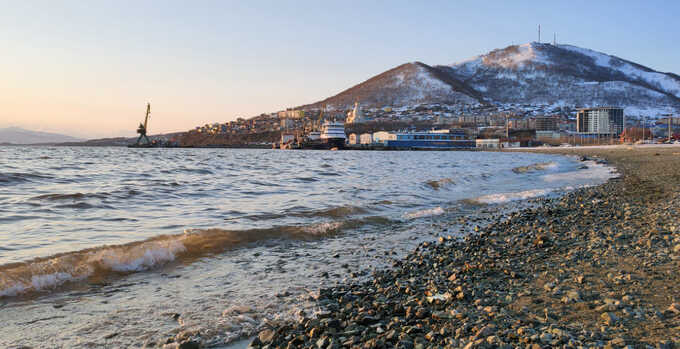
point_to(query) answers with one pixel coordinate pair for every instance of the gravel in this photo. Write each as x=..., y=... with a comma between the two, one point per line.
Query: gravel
x=598, y=266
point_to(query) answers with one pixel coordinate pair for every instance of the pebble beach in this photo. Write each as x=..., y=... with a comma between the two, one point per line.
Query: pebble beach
x=596, y=267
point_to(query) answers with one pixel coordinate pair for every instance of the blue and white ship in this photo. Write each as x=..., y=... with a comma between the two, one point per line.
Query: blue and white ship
x=432, y=140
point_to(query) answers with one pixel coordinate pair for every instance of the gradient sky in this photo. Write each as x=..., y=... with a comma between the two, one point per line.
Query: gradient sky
x=87, y=68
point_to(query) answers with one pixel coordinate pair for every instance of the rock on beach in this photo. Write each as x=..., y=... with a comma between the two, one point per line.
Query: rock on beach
x=597, y=267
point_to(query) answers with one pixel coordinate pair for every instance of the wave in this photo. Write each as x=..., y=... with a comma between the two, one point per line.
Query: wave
x=425, y=213
x=48, y=273
x=334, y=212
x=19, y=177
x=591, y=171
x=202, y=171
x=74, y=196
x=506, y=197
x=437, y=184
x=540, y=166
x=305, y=179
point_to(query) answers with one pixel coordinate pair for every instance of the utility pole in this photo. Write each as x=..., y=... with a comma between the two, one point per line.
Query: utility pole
x=507, y=128
x=669, y=127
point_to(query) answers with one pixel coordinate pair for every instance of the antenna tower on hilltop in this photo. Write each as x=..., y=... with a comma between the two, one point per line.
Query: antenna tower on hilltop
x=554, y=39
x=539, y=33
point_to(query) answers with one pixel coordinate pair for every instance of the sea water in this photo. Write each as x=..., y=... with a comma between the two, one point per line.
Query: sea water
x=128, y=247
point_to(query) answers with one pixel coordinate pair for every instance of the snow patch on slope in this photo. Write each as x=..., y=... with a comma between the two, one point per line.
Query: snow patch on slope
x=600, y=59
x=430, y=82
x=521, y=56
x=656, y=79
x=416, y=83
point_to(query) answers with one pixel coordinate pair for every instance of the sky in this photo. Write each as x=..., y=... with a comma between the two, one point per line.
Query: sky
x=87, y=68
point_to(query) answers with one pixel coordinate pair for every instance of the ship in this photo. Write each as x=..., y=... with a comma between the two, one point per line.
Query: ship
x=331, y=136
x=431, y=140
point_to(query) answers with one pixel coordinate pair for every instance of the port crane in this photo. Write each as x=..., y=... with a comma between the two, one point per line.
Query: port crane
x=143, y=127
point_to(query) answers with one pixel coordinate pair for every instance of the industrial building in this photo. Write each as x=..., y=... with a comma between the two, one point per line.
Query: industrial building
x=547, y=123
x=600, y=121
x=491, y=143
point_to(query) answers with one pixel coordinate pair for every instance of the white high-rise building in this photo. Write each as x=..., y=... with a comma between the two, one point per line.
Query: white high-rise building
x=355, y=116
x=602, y=121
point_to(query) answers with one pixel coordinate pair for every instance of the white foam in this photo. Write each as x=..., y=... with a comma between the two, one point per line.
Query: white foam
x=138, y=258
x=51, y=273
x=322, y=228
x=425, y=213
x=514, y=196
x=594, y=174
x=40, y=282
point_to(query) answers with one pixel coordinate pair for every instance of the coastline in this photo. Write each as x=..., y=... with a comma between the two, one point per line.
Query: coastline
x=597, y=266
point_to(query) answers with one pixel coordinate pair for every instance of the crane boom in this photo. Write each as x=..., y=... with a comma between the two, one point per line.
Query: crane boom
x=148, y=113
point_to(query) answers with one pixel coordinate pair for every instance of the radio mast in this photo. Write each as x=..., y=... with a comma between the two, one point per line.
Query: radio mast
x=539, y=33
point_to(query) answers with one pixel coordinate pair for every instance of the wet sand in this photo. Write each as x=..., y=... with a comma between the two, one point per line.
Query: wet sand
x=599, y=266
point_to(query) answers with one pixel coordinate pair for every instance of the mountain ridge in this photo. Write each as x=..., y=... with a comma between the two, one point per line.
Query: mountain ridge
x=18, y=135
x=407, y=83
x=532, y=73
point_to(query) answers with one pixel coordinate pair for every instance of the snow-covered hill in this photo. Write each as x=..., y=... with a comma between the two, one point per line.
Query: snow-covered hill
x=407, y=84
x=565, y=75
x=533, y=73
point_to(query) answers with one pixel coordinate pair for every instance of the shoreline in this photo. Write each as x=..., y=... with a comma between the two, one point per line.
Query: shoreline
x=597, y=266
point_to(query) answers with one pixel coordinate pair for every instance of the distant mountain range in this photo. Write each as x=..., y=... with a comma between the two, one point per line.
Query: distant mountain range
x=16, y=135
x=533, y=73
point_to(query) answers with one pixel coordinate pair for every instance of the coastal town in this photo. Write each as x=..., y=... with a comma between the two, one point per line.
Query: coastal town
x=340, y=174
x=485, y=126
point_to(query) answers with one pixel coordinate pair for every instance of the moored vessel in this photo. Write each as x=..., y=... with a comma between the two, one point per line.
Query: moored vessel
x=332, y=135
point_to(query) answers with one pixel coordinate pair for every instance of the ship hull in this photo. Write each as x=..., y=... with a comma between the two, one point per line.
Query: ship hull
x=324, y=144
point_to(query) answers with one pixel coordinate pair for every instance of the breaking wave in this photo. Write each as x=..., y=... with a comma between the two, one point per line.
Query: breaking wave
x=425, y=213
x=507, y=197
x=589, y=171
x=535, y=167
x=48, y=273
x=333, y=212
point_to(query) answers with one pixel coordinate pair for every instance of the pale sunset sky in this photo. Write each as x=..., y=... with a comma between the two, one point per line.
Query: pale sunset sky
x=87, y=68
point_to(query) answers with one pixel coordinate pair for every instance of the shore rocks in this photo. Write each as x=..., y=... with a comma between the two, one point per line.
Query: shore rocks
x=591, y=268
